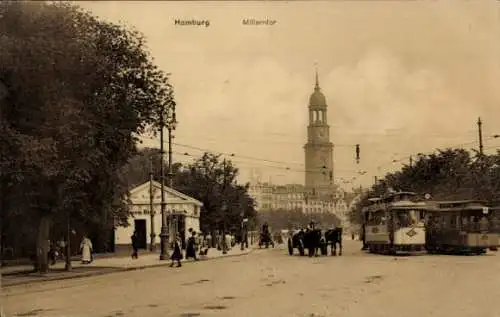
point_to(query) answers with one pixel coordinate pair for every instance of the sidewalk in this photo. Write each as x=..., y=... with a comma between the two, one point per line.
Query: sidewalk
x=19, y=275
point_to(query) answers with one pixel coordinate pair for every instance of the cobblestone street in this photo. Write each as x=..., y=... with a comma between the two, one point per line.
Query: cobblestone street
x=271, y=283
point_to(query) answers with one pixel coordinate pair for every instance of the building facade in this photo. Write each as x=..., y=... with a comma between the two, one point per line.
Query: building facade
x=318, y=149
x=183, y=212
x=262, y=193
x=289, y=197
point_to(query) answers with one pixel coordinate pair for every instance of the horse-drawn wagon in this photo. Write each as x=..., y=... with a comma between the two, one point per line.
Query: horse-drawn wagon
x=315, y=241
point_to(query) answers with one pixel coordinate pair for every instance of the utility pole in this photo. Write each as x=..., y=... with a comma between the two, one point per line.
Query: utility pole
x=375, y=180
x=224, y=208
x=170, y=125
x=480, y=131
x=170, y=172
x=151, y=208
x=163, y=234
x=411, y=161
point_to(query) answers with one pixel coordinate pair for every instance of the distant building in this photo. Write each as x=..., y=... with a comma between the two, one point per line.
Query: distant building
x=262, y=193
x=295, y=197
x=183, y=213
x=288, y=197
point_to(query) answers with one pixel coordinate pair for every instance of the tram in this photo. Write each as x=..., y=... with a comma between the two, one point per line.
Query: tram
x=463, y=227
x=395, y=223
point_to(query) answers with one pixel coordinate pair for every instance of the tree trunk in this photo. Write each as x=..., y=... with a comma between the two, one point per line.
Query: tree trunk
x=43, y=245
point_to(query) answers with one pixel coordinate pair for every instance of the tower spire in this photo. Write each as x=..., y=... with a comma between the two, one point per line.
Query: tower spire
x=316, y=86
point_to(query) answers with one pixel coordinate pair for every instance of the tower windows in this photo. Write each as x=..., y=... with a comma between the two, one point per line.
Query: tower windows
x=317, y=116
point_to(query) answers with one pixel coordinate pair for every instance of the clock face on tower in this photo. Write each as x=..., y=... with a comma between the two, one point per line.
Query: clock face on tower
x=321, y=134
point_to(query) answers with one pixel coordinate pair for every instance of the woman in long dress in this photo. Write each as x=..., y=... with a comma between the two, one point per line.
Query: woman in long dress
x=86, y=249
x=177, y=254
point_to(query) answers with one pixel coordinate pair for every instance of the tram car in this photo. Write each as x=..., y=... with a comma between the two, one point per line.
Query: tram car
x=461, y=227
x=395, y=223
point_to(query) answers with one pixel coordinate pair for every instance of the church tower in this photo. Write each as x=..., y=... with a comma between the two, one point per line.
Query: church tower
x=318, y=149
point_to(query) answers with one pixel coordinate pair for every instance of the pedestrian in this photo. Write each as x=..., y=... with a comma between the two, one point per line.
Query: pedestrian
x=53, y=254
x=135, y=248
x=61, y=244
x=86, y=250
x=204, y=246
x=191, y=246
x=209, y=240
x=177, y=254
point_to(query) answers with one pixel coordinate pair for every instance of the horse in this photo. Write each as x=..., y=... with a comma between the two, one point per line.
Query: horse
x=296, y=240
x=334, y=237
x=312, y=241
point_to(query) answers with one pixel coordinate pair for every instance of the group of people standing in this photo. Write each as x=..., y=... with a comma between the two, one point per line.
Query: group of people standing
x=192, y=246
x=58, y=251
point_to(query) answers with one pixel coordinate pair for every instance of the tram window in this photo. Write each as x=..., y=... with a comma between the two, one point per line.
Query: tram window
x=484, y=224
x=383, y=220
x=495, y=223
x=376, y=219
x=453, y=221
x=465, y=221
x=445, y=221
x=421, y=215
x=403, y=219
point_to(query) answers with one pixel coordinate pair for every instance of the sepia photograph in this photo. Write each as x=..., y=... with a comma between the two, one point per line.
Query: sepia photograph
x=249, y=158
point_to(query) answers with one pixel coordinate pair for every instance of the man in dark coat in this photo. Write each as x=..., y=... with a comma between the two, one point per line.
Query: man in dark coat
x=191, y=246
x=135, y=246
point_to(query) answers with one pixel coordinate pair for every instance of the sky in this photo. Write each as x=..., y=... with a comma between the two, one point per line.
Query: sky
x=400, y=78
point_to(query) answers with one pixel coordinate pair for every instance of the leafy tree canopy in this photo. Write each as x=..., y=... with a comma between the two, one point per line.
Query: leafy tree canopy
x=75, y=90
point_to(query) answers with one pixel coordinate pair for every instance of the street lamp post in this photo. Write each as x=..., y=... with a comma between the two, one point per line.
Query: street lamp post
x=151, y=207
x=170, y=124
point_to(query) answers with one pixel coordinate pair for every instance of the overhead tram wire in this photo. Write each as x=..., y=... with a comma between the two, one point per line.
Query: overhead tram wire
x=234, y=158
x=253, y=164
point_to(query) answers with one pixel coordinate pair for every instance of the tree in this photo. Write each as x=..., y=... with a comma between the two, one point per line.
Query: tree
x=77, y=91
x=138, y=169
x=213, y=182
